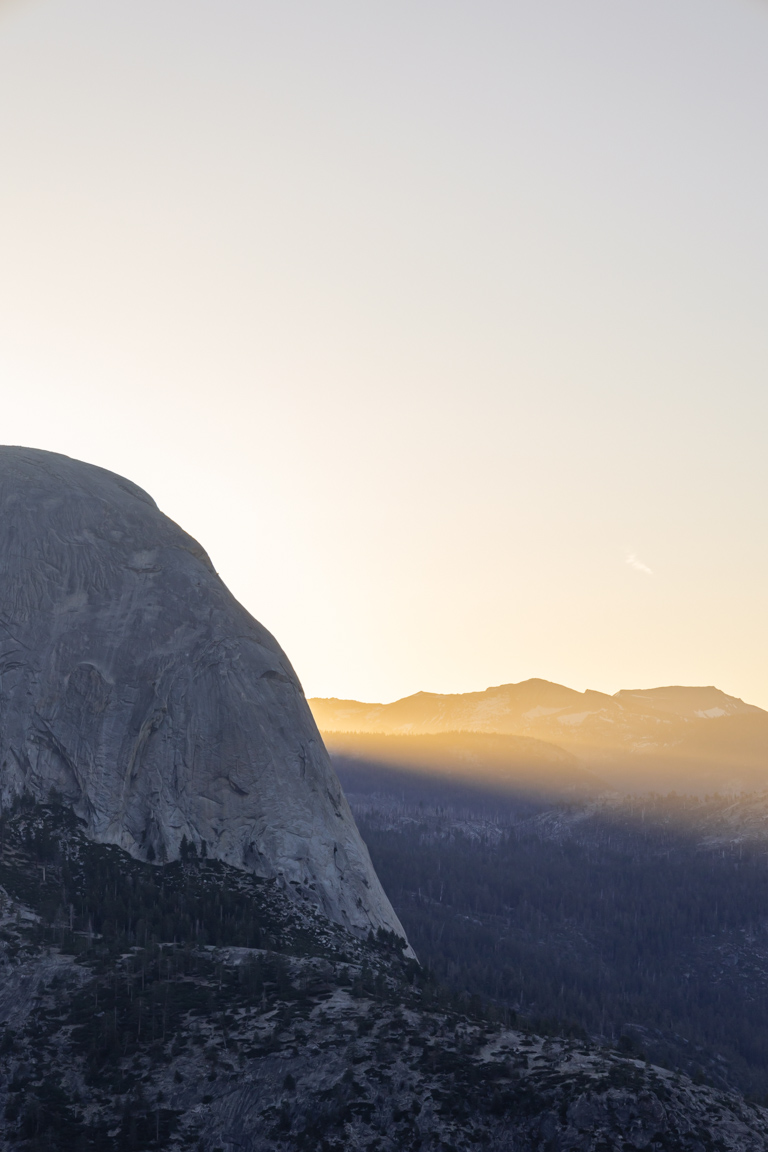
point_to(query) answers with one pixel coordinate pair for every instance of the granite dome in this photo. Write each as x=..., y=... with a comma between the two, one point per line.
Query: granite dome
x=134, y=684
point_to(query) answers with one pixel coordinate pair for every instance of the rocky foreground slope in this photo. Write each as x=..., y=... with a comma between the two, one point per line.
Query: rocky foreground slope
x=134, y=684
x=192, y=1006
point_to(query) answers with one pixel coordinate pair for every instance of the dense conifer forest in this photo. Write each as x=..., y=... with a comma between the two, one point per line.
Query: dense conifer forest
x=191, y=1007
x=644, y=923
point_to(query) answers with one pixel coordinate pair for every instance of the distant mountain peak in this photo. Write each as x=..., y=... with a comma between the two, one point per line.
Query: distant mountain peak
x=658, y=738
x=686, y=701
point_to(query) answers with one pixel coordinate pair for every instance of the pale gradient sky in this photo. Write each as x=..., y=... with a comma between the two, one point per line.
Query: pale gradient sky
x=443, y=326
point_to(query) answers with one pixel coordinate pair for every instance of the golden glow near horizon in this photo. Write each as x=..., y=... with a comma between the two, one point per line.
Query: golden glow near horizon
x=442, y=326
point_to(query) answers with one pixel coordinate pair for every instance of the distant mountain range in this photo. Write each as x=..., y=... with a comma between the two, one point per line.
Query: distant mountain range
x=657, y=739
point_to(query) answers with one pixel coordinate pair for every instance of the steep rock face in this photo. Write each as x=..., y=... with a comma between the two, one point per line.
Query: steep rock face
x=134, y=684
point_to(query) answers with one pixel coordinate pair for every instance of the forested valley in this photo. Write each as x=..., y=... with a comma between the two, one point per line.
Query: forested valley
x=187, y=1006
x=641, y=922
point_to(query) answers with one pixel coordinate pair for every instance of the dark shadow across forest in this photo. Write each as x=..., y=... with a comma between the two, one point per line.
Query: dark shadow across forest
x=643, y=921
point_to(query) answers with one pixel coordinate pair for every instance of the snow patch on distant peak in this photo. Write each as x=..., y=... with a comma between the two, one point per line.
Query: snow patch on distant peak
x=539, y=710
x=574, y=718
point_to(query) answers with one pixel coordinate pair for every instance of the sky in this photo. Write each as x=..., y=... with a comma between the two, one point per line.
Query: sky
x=441, y=325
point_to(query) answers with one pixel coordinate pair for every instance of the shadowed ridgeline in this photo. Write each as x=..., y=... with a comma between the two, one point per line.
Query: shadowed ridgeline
x=459, y=764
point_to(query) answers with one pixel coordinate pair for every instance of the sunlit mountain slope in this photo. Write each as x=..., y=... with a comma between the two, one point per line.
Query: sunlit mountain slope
x=686, y=738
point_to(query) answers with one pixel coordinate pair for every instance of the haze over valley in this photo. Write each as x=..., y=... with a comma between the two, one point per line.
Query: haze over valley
x=613, y=882
x=674, y=738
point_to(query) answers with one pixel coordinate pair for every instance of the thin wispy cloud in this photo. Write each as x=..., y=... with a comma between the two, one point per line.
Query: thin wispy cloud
x=638, y=565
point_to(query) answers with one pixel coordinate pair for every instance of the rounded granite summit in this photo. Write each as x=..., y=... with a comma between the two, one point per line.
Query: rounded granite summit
x=134, y=684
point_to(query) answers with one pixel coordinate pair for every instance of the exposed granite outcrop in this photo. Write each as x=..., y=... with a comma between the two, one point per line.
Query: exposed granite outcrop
x=134, y=684
x=138, y=1019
